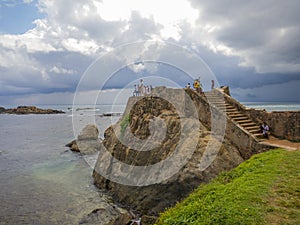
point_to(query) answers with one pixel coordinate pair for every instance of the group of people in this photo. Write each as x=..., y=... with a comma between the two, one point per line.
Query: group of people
x=197, y=86
x=141, y=89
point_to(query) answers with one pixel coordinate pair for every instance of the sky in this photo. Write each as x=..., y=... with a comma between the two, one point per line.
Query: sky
x=51, y=50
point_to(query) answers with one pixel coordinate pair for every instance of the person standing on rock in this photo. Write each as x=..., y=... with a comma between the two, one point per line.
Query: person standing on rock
x=212, y=84
x=197, y=86
x=141, y=88
x=136, y=91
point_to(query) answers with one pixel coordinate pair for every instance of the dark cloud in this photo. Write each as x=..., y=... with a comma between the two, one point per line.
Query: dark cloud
x=284, y=92
x=263, y=33
x=251, y=46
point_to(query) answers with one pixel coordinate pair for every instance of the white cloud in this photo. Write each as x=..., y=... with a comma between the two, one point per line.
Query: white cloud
x=32, y=41
x=163, y=12
x=231, y=34
x=85, y=47
x=59, y=70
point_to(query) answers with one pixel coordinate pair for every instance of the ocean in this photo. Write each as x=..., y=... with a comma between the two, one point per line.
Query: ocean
x=274, y=106
x=42, y=182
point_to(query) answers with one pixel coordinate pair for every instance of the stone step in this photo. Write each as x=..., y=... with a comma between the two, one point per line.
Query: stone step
x=216, y=100
x=246, y=121
x=230, y=107
x=258, y=135
x=245, y=125
x=232, y=110
x=237, y=115
x=213, y=97
x=219, y=103
x=241, y=119
x=253, y=129
x=209, y=94
x=234, y=113
x=219, y=106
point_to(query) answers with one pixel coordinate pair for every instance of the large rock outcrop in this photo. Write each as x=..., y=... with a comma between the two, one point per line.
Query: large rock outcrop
x=151, y=131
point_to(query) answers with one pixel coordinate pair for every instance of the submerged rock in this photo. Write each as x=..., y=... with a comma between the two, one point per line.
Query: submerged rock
x=110, y=215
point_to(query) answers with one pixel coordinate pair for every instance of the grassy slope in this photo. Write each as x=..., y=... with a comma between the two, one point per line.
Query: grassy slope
x=262, y=190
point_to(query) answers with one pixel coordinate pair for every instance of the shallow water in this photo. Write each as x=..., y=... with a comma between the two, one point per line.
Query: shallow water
x=42, y=182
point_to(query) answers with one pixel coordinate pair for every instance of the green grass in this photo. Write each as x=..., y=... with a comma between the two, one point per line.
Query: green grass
x=124, y=123
x=262, y=190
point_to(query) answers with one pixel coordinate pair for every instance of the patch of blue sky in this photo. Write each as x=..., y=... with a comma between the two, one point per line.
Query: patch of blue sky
x=17, y=16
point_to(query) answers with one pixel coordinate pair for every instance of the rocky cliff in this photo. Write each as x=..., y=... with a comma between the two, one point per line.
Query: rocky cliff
x=163, y=127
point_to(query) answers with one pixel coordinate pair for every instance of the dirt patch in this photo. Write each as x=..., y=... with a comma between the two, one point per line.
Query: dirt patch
x=288, y=145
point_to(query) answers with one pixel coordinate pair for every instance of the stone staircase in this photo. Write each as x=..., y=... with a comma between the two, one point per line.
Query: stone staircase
x=234, y=114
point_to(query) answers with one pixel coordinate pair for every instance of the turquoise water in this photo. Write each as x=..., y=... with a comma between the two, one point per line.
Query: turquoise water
x=42, y=182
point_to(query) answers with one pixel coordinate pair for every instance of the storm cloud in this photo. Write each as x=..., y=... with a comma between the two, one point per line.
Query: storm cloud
x=251, y=46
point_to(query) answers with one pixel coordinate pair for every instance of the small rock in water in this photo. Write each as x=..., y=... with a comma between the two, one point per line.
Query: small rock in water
x=87, y=141
x=73, y=146
x=90, y=132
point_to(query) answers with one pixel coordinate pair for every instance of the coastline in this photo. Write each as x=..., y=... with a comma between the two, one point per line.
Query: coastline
x=28, y=142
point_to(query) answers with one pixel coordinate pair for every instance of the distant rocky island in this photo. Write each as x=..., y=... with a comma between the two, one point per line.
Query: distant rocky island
x=21, y=110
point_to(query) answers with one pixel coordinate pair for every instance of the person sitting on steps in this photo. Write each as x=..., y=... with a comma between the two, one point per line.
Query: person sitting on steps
x=264, y=128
